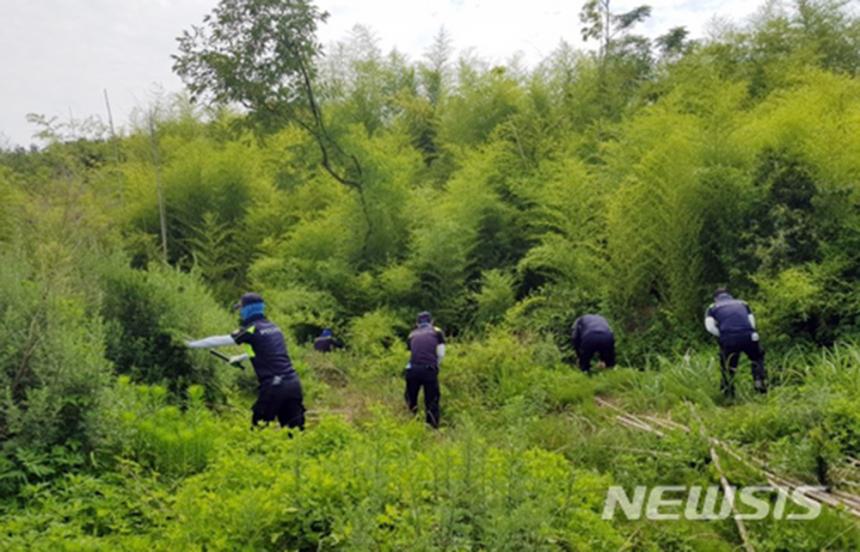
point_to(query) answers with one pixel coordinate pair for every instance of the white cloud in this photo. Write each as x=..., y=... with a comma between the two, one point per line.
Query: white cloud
x=56, y=56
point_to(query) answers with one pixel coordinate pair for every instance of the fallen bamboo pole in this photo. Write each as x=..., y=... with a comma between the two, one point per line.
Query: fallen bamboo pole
x=834, y=498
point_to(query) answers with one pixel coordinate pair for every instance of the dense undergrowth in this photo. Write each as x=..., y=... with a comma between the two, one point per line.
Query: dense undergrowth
x=631, y=181
x=527, y=470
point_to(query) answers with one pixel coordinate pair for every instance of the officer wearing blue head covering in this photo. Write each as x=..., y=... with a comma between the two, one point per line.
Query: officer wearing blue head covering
x=427, y=349
x=732, y=322
x=280, y=391
x=327, y=342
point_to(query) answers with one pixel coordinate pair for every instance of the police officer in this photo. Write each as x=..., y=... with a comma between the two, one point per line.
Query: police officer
x=280, y=391
x=326, y=342
x=733, y=323
x=427, y=348
x=591, y=334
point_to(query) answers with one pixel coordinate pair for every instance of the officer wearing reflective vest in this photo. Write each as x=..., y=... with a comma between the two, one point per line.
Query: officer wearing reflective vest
x=427, y=349
x=733, y=323
x=280, y=391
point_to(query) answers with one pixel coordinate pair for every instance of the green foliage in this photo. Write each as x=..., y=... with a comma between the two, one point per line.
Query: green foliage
x=484, y=102
x=52, y=371
x=256, y=53
x=655, y=218
x=208, y=193
x=12, y=204
x=375, y=332
x=495, y=298
x=143, y=426
x=302, y=311
x=149, y=315
x=630, y=181
x=787, y=302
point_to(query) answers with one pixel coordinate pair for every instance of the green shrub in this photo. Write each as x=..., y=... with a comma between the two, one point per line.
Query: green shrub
x=376, y=332
x=495, y=298
x=149, y=315
x=138, y=422
x=389, y=487
x=787, y=302
x=172, y=441
x=52, y=369
x=301, y=312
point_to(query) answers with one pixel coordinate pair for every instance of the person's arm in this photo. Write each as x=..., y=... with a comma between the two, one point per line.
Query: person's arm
x=751, y=318
x=238, y=359
x=711, y=323
x=440, y=347
x=211, y=342
x=575, y=336
x=711, y=326
x=409, y=348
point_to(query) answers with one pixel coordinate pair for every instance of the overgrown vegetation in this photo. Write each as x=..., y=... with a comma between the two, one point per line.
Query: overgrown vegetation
x=632, y=180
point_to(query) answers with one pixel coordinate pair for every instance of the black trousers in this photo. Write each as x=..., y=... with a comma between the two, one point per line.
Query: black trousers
x=281, y=399
x=603, y=344
x=731, y=347
x=428, y=378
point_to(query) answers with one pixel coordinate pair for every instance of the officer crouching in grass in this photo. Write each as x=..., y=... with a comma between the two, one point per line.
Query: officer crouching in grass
x=327, y=342
x=592, y=335
x=280, y=391
x=732, y=322
x=427, y=348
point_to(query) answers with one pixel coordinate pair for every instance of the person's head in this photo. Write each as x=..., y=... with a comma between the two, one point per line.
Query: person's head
x=249, y=305
x=424, y=318
x=326, y=332
x=721, y=291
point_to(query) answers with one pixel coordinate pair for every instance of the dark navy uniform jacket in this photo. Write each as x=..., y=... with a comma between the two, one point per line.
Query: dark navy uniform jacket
x=586, y=326
x=266, y=348
x=422, y=343
x=732, y=316
x=326, y=344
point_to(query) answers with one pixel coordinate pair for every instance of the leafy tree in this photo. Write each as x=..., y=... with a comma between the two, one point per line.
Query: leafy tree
x=674, y=43
x=261, y=54
x=622, y=58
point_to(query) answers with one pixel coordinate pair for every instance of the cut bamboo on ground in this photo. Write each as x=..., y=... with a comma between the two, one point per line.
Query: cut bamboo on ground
x=833, y=498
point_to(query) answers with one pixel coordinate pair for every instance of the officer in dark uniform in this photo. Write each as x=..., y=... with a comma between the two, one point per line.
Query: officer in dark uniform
x=280, y=391
x=591, y=334
x=733, y=323
x=326, y=342
x=427, y=348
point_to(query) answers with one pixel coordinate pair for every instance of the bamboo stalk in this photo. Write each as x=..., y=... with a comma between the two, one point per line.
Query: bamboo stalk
x=728, y=490
x=730, y=495
x=156, y=160
x=833, y=498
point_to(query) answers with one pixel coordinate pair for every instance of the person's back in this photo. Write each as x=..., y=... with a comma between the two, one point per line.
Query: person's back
x=594, y=324
x=427, y=349
x=591, y=334
x=423, y=343
x=268, y=352
x=326, y=342
x=732, y=322
x=732, y=316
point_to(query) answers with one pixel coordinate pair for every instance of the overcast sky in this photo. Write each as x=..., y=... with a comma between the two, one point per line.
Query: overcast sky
x=57, y=56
